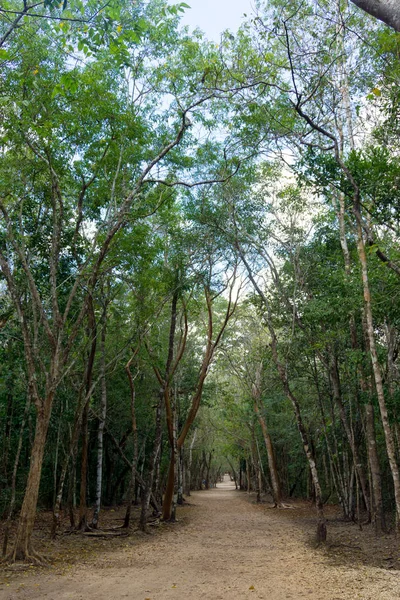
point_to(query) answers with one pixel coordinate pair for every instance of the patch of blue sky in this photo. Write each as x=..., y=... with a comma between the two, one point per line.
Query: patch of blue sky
x=215, y=16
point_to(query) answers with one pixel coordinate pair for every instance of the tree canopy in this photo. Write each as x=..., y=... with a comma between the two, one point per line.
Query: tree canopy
x=199, y=256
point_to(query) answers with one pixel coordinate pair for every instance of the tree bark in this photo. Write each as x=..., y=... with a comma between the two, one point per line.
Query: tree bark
x=390, y=446
x=14, y=477
x=189, y=464
x=92, y=331
x=23, y=549
x=7, y=428
x=273, y=471
x=147, y=489
x=378, y=517
x=102, y=422
x=387, y=11
x=82, y=520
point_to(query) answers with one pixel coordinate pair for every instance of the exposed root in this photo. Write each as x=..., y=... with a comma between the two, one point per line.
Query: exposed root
x=105, y=534
x=340, y=545
x=154, y=523
x=29, y=558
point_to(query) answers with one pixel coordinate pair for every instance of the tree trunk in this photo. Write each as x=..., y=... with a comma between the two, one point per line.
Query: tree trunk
x=334, y=377
x=189, y=464
x=170, y=499
x=7, y=428
x=55, y=468
x=208, y=467
x=256, y=468
x=102, y=422
x=390, y=447
x=23, y=543
x=132, y=485
x=71, y=497
x=181, y=477
x=378, y=517
x=387, y=11
x=92, y=331
x=146, y=491
x=82, y=522
x=273, y=470
x=14, y=477
x=234, y=474
x=333, y=456
x=70, y=455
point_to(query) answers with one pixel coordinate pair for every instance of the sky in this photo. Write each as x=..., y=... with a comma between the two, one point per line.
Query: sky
x=214, y=16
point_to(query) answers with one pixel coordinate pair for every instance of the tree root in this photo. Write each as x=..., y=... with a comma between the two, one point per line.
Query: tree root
x=29, y=558
x=340, y=545
x=281, y=506
x=105, y=534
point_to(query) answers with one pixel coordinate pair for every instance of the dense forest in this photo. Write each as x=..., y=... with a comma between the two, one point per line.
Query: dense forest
x=200, y=261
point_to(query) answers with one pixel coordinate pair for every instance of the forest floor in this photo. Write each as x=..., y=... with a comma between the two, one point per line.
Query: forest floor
x=224, y=547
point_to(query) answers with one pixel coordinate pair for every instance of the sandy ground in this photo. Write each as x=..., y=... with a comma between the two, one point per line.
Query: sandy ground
x=228, y=549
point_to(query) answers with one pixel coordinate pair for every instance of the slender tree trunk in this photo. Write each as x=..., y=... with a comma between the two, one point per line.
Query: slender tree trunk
x=70, y=455
x=337, y=477
x=180, y=477
x=378, y=517
x=390, y=447
x=82, y=524
x=102, y=422
x=234, y=474
x=55, y=468
x=7, y=429
x=273, y=470
x=256, y=468
x=132, y=484
x=189, y=464
x=146, y=491
x=248, y=475
x=172, y=480
x=14, y=477
x=169, y=413
x=334, y=376
x=71, y=497
x=208, y=467
x=157, y=479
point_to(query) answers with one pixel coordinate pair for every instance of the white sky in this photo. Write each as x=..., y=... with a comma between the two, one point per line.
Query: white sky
x=214, y=16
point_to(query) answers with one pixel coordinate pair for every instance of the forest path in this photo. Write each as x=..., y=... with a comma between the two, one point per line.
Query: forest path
x=229, y=549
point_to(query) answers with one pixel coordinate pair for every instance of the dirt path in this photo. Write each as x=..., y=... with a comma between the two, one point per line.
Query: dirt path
x=229, y=549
